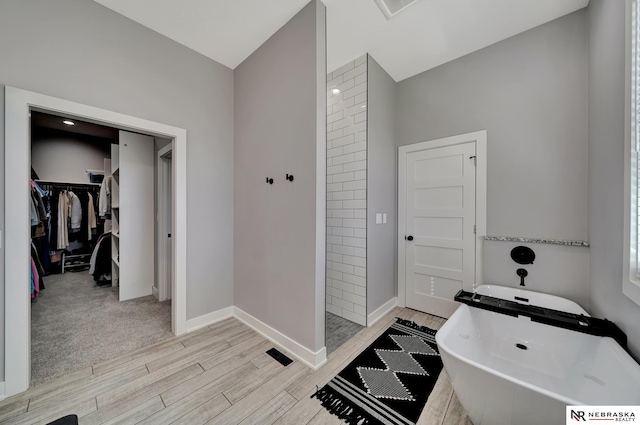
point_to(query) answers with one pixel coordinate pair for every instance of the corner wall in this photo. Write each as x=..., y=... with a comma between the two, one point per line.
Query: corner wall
x=606, y=167
x=279, y=118
x=382, y=184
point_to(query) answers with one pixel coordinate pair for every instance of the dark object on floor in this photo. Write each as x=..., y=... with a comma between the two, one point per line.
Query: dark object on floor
x=284, y=360
x=103, y=258
x=390, y=379
x=67, y=420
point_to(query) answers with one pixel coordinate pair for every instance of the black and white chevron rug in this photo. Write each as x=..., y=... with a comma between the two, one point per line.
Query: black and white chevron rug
x=390, y=381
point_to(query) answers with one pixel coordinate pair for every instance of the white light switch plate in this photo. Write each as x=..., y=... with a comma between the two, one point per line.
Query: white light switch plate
x=378, y=218
x=384, y=218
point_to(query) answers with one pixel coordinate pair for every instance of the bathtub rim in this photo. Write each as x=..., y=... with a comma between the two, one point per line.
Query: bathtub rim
x=485, y=289
x=446, y=330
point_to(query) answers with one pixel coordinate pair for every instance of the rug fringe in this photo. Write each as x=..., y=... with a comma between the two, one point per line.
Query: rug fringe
x=414, y=325
x=335, y=405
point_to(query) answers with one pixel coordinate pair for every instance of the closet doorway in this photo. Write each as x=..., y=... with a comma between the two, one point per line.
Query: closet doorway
x=93, y=193
x=18, y=106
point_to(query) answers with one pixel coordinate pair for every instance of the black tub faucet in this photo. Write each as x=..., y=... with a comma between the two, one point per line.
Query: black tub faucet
x=522, y=273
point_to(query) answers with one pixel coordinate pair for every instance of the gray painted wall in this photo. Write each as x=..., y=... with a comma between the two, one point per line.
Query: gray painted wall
x=530, y=93
x=606, y=167
x=81, y=51
x=66, y=158
x=276, y=131
x=381, y=187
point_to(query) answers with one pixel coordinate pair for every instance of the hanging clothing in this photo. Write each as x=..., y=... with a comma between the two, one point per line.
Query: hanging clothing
x=35, y=219
x=35, y=286
x=94, y=254
x=93, y=224
x=36, y=196
x=104, y=201
x=53, y=232
x=33, y=281
x=79, y=227
x=76, y=212
x=63, y=217
x=35, y=257
x=36, y=186
x=40, y=231
x=40, y=217
x=102, y=262
x=39, y=204
x=67, y=221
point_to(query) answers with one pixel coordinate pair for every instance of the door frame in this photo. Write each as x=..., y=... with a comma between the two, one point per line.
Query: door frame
x=480, y=139
x=162, y=223
x=17, y=320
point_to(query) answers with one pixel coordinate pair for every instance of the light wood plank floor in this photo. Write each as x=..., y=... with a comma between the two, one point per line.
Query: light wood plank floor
x=216, y=375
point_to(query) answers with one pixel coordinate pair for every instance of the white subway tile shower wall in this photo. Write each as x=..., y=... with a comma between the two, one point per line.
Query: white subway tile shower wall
x=347, y=191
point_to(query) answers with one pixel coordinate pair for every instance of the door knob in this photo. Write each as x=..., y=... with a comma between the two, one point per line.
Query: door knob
x=409, y=238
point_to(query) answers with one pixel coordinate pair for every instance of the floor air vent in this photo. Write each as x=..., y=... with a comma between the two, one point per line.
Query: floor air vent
x=284, y=360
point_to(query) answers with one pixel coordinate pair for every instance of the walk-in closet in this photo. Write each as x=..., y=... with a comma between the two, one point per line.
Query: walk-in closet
x=94, y=256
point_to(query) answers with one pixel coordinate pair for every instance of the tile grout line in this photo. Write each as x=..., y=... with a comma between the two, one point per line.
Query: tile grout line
x=161, y=399
x=446, y=411
x=225, y=396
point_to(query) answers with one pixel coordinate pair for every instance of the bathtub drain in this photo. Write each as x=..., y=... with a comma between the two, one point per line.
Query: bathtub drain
x=522, y=346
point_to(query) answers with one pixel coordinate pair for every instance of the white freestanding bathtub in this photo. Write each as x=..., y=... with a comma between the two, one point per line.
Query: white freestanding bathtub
x=498, y=383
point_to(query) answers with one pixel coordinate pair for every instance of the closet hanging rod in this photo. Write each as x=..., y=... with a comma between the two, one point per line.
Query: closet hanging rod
x=46, y=184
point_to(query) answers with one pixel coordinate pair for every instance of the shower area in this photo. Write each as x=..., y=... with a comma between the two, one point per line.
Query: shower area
x=361, y=182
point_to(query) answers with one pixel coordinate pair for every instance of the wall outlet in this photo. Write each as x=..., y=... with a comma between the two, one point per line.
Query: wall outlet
x=378, y=218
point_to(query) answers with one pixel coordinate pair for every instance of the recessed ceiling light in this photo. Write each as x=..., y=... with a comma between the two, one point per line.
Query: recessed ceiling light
x=335, y=91
x=68, y=122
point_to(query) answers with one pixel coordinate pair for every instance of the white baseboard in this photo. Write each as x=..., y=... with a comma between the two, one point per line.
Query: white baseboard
x=2, y=392
x=381, y=311
x=209, y=319
x=306, y=356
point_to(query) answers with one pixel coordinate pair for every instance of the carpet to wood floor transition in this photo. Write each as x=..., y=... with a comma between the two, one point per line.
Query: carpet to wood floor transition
x=75, y=323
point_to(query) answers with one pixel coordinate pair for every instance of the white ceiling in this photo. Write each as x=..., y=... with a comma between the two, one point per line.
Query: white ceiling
x=425, y=35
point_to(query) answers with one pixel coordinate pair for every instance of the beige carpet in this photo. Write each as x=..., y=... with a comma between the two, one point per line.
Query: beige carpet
x=75, y=323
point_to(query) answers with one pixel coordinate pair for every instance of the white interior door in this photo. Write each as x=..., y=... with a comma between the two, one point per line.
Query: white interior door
x=164, y=236
x=440, y=257
x=136, y=215
x=169, y=221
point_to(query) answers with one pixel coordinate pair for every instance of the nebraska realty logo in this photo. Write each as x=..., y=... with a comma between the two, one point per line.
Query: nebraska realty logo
x=602, y=414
